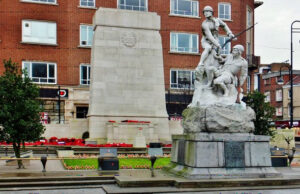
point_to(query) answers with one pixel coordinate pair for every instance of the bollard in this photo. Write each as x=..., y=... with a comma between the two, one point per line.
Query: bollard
x=47, y=150
x=6, y=151
x=152, y=159
x=44, y=161
x=100, y=162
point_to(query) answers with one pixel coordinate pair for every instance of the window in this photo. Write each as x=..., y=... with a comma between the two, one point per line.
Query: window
x=267, y=81
x=267, y=98
x=289, y=110
x=85, y=71
x=248, y=48
x=225, y=11
x=249, y=17
x=182, y=79
x=256, y=82
x=248, y=83
x=41, y=72
x=87, y=3
x=138, y=5
x=185, y=7
x=41, y=1
x=183, y=42
x=81, y=112
x=86, y=35
x=278, y=111
x=226, y=49
x=38, y=32
x=279, y=95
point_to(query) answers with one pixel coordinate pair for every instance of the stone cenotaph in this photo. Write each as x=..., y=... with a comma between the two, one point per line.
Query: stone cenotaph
x=218, y=139
x=127, y=78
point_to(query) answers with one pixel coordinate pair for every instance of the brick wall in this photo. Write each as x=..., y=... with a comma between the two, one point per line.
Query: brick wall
x=69, y=16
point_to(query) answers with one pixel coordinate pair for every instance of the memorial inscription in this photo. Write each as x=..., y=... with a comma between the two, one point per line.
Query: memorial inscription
x=234, y=154
x=181, y=152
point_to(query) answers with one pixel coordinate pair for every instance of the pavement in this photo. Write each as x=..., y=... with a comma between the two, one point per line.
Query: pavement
x=55, y=169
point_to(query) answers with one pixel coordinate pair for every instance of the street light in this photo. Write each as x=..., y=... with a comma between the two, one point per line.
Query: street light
x=293, y=30
x=280, y=80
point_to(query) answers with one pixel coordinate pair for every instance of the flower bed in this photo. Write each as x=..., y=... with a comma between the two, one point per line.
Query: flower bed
x=54, y=141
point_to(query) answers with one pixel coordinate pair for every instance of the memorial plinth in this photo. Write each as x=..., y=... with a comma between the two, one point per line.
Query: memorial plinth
x=221, y=155
x=127, y=75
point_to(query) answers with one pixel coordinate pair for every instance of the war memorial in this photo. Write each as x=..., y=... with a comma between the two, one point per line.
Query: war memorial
x=127, y=83
x=217, y=149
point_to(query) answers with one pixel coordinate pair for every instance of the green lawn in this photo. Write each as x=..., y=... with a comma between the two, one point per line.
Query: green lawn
x=124, y=163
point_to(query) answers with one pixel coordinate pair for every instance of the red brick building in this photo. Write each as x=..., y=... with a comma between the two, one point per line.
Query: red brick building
x=273, y=80
x=52, y=39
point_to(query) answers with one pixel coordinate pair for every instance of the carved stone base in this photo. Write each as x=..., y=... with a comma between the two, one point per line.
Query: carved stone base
x=219, y=119
x=221, y=155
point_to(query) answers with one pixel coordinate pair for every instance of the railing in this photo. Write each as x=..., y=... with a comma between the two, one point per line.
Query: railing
x=133, y=7
x=182, y=12
x=184, y=49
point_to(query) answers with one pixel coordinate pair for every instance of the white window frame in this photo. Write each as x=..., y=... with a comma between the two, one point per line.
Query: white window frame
x=268, y=96
x=80, y=4
x=88, y=80
x=29, y=71
x=80, y=33
x=279, y=95
x=255, y=82
x=289, y=110
x=173, y=12
x=230, y=14
x=279, y=112
x=227, y=47
x=249, y=17
x=192, y=76
x=248, y=83
x=146, y=6
x=40, y=2
x=27, y=37
x=176, y=49
x=249, y=48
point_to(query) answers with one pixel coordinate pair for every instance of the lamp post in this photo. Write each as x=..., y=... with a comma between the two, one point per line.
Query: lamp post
x=293, y=30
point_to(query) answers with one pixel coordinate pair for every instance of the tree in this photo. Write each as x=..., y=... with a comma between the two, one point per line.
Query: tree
x=19, y=108
x=264, y=113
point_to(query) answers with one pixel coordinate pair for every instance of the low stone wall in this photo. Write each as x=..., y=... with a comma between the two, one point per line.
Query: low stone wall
x=75, y=128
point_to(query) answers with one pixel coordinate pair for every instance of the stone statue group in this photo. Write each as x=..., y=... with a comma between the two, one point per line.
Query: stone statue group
x=218, y=78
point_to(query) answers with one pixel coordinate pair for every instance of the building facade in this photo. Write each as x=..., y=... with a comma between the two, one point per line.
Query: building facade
x=273, y=80
x=52, y=39
x=296, y=102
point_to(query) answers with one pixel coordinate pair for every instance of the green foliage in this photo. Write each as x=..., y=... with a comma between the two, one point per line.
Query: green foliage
x=264, y=113
x=127, y=162
x=19, y=107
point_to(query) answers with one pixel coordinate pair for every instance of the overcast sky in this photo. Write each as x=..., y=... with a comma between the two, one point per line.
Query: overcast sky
x=272, y=33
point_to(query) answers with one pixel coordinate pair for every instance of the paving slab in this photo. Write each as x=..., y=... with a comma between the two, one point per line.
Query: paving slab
x=114, y=189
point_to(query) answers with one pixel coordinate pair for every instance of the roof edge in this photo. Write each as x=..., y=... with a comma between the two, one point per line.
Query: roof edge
x=257, y=4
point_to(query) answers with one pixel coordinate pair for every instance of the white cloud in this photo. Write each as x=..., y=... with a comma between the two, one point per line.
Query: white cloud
x=272, y=34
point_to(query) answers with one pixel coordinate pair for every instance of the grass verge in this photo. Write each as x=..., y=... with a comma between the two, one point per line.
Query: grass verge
x=124, y=163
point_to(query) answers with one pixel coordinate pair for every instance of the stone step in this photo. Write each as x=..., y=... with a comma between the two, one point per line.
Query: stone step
x=126, y=182
x=40, y=189
x=43, y=179
x=54, y=183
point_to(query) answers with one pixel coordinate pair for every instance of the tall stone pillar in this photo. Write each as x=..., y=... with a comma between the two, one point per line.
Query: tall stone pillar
x=127, y=74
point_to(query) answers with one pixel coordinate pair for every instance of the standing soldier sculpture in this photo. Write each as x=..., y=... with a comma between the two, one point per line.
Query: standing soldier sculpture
x=218, y=78
x=210, y=41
